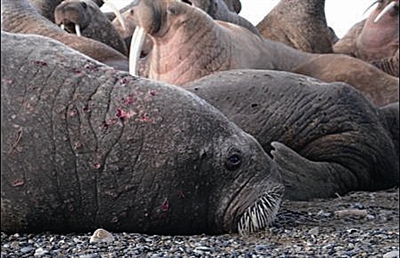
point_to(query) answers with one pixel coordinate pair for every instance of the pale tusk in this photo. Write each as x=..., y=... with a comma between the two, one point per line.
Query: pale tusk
x=375, y=2
x=385, y=10
x=135, y=49
x=62, y=26
x=116, y=12
x=78, y=30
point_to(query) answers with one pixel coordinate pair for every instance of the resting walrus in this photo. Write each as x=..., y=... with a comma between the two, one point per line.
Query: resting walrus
x=86, y=146
x=333, y=140
x=93, y=23
x=189, y=44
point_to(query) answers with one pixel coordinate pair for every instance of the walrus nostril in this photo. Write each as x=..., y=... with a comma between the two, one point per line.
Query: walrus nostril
x=187, y=2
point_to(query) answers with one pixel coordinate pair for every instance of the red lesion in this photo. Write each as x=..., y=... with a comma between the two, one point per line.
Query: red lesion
x=18, y=182
x=41, y=63
x=165, y=205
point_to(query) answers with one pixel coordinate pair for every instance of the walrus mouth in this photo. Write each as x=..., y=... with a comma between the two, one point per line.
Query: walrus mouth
x=71, y=27
x=262, y=212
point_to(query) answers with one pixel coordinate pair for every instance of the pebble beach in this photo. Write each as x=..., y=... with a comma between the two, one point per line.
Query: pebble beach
x=359, y=224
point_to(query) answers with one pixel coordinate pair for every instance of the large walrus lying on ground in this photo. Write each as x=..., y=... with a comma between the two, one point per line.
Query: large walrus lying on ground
x=327, y=138
x=189, y=44
x=86, y=146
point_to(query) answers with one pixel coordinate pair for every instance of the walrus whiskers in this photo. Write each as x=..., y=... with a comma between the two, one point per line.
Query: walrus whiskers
x=259, y=215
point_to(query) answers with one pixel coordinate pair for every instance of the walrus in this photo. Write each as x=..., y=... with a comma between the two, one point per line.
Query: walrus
x=327, y=138
x=189, y=44
x=18, y=16
x=375, y=38
x=299, y=24
x=93, y=23
x=85, y=146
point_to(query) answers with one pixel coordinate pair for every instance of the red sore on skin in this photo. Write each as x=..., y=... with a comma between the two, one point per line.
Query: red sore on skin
x=41, y=63
x=128, y=100
x=165, y=205
x=97, y=165
x=146, y=118
x=18, y=182
x=122, y=114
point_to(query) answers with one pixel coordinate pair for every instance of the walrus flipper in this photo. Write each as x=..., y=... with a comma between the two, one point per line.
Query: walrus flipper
x=304, y=179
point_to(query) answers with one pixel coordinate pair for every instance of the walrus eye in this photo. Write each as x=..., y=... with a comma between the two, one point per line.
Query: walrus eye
x=233, y=162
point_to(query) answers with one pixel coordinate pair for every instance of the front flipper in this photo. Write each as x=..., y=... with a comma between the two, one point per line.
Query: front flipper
x=305, y=179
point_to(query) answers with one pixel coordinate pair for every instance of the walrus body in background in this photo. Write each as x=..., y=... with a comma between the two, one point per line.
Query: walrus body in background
x=332, y=139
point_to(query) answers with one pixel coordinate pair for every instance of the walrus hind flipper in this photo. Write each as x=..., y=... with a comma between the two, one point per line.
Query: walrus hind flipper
x=305, y=179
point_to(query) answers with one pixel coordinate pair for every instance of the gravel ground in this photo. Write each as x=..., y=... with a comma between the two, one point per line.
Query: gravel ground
x=319, y=228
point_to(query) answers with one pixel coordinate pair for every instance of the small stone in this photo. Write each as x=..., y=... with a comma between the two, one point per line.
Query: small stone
x=26, y=249
x=314, y=231
x=40, y=251
x=391, y=254
x=101, y=235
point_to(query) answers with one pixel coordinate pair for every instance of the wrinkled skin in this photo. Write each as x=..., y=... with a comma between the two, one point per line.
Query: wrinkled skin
x=333, y=140
x=372, y=41
x=86, y=146
x=92, y=22
x=189, y=45
x=379, y=86
x=389, y=64
x=299, y=24
x=18, y=16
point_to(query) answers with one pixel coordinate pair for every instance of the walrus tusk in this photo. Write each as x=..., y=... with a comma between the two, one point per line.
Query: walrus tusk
x=116, y=12
x=62, y=26
x=78, y=30
x=375, y=2
x=135, y=49
x=385, y=10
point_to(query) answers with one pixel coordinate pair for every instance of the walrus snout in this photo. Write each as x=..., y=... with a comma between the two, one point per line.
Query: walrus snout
x=262, y=212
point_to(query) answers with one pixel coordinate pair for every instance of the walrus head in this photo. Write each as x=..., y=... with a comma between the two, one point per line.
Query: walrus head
x=251, y=198
x=72, y=16
x=156, y=17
